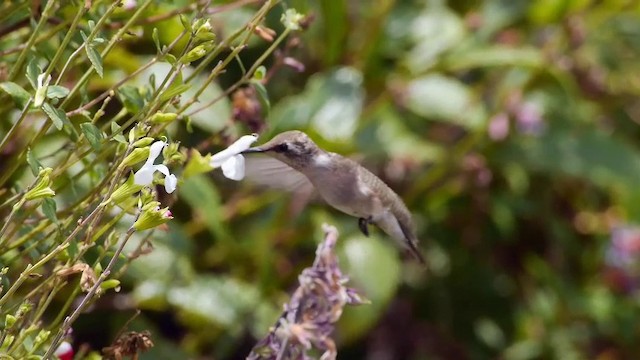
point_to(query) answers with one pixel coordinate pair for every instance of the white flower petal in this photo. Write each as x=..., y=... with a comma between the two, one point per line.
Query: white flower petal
x=233, y=168
x=218, y=159
x=144, y=176
x=162, y=168
x=170, y=183
x=236, y=148
x=155, y=150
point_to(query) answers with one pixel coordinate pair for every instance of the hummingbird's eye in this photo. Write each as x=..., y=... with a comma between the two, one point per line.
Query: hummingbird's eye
x=281, y=148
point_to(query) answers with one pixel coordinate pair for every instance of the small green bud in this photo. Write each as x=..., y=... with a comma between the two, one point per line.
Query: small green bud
x=42, y=336
x=124, y=191
x=145, y=141
x=110, y=284
x=43, y=187
x=171, y=150
x=197, y=164
x=24, y=308
x=204, y=32
x=9, y=321
x=195, y=53
x=136, y=156
x=199, y=22
x=163, y=118
x=8, y=340
x=151, y=216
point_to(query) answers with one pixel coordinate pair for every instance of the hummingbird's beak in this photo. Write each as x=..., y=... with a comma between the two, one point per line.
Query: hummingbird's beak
x=255, y=149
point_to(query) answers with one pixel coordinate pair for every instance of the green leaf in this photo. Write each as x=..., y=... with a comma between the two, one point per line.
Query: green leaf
x=57, y=116
x=95, y=58
x=115, y=129
x=376, y=276
x=156, y=39
x=57, y=92
x=494, y=56
x=331, y=104
x=442, y=98
x=33, y=70
x=435, y=31
x=263, y=97
x=17, y=93
x=33, y=162
x=93, y=135
x=186, y=24
x=218, y=300
x=49, y=209
x=174, y=91
x=198, y=190
x=131, y=98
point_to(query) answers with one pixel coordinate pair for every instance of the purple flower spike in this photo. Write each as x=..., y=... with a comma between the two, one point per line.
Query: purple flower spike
x=316, y=305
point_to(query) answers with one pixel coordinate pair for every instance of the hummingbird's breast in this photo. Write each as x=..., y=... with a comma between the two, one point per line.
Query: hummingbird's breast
x=339, y=183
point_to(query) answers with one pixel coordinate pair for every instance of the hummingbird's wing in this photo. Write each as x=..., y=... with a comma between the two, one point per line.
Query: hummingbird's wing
x=272, y=173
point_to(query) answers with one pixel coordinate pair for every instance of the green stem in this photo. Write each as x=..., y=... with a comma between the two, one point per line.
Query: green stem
x=16, y=125
x=17, y=66
x=29, y=270
x=68, y=321
x=65, y=42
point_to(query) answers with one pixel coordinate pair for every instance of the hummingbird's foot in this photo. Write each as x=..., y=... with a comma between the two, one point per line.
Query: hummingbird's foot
x=363, y=224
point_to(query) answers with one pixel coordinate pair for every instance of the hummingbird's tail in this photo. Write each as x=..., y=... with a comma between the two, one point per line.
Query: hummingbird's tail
x=413, y=249
x=401, y=232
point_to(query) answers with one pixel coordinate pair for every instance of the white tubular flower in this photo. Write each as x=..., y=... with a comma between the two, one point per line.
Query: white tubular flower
x=230, y=160
x=144, y=176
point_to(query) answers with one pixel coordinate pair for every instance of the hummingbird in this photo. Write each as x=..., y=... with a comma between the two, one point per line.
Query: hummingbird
x=302, y=166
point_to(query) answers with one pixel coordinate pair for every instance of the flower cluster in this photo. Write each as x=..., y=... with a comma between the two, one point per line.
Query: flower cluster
x=309, y=318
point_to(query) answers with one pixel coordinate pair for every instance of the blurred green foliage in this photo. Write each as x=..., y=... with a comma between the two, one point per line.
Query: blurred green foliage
x=510, y=128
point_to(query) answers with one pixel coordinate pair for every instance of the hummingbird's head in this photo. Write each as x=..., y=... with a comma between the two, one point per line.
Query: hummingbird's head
x=294, y=148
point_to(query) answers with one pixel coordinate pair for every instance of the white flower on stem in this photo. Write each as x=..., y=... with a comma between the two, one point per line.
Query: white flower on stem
x=230, y=160
x=144, y=176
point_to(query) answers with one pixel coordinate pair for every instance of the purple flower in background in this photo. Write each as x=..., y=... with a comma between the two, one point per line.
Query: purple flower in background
x=622, y=258
x=316, y=305
x=499, y=127
x=528, y=116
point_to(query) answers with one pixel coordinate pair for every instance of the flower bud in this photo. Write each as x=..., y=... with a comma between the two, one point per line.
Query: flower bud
x=151, y=216
x=145, y=141
x=42, y=336
x=171, y=150
x=163, y=118
x=110, y=284
x=9, y=321
x=195, y=53
x=124, y=191
x=204, y=32
x=136, y=156
x=42, y=188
